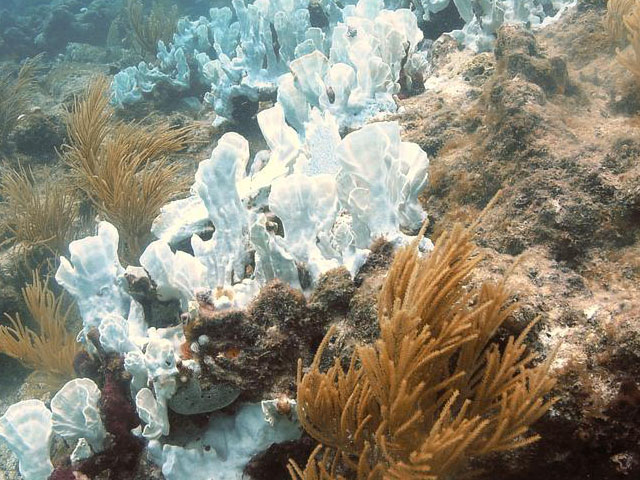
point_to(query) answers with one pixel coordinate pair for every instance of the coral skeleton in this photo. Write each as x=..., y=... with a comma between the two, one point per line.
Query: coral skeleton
x=27, y=428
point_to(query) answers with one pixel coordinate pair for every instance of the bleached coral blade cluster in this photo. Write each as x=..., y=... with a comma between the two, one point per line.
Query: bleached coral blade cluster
x=26, y=427
x=93, y=275
x=328, y=219
x=248, y=53
x=348, y=61
x=361, y=70
x=292, y=212
x=380, y=180
x=230, y=441
x=307, y=208
x=177, y=275
x=76, y=413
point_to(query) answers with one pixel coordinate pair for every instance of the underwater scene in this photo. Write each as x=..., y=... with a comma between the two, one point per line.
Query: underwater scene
x=319, y=239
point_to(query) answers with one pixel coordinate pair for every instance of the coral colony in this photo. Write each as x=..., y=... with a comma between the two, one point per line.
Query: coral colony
x=332, y=193
x=346, y=61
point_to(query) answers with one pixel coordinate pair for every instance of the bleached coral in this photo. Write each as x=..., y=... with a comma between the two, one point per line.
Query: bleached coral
x=153, y=413
x=228, y=444
x=157, y=367
x=380, y=180
x=176, y=274
x=93, y=276
x=270, y=34
x=115, y=335
x=307, y=208
x=160, y=361
x=239, y=53
x=26, y=427
x=216, y=184
x=361, y=71
x=245, y=55
x=76, y=413
x=484, y=17
x=134, y=364
x=132, y=83
x=332, y=196
x=272, y=260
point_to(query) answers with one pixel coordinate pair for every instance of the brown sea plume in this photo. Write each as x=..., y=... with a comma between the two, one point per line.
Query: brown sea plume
x=50, y=350
x=122, y=168
x=434, y=390
x=15, y=92
x=148, y=27
x=35, y=216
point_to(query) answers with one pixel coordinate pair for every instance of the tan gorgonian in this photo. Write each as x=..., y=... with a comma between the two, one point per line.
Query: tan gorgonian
x=52, y=349
x=614, y=19
x=630, y=57
x=434, y=390
x=15, y=93
x=123, y=168
x=35, y=216
x=89, y=123
x=158, y=23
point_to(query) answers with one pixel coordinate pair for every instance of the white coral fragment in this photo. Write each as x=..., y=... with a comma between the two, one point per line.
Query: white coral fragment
x=26, y=427
x=176, y=275
x=153, y=414
x=76, y=414
x=93, y=276
x=216, y=178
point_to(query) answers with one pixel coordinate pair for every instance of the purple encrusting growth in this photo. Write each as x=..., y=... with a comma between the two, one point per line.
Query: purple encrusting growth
x=62, y=473
x=122, y=453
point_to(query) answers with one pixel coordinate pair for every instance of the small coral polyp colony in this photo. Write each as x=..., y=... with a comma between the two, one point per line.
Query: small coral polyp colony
x=216, y=311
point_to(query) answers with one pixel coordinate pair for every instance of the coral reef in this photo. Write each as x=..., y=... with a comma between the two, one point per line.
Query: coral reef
x=566, y=160
x=187, y=367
